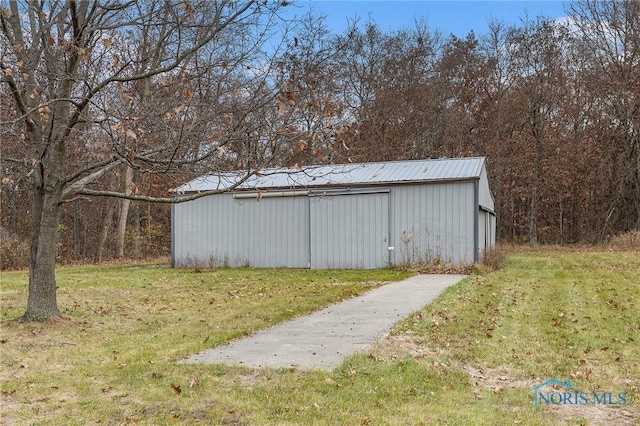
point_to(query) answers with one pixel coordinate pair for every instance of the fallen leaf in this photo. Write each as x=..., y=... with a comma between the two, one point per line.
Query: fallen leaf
x=176, y=389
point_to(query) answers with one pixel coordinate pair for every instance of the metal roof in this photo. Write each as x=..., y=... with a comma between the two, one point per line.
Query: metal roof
x=391, y=172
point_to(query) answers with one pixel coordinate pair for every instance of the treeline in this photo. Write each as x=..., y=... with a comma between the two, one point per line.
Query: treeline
x=554, y=106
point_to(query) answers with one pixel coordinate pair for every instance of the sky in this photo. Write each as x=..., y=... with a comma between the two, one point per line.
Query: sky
x=450, y=17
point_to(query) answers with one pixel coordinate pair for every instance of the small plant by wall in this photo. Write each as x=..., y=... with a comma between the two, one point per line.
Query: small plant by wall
x=431, y=260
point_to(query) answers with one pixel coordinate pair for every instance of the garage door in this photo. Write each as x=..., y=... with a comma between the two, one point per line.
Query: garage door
x=349, y=231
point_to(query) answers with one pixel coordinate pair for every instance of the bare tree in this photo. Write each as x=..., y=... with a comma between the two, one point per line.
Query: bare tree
x=540, y=47
x=307, y=76
x=610, y=33
x=70, y=66
x=385, y=80
x=495, y=118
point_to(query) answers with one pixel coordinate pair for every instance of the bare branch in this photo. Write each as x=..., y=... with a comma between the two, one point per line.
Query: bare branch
x=178, y=198
x=77, y=186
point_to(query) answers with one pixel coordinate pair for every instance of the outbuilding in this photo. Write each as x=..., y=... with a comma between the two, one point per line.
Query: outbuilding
x=346, y=216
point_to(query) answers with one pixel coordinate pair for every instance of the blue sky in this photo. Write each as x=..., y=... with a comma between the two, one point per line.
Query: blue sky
x=453, y=16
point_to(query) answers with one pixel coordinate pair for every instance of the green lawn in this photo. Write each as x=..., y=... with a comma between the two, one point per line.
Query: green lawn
x=470, y=358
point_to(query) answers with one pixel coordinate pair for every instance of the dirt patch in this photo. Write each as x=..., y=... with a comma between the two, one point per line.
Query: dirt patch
x=249, y=379
x=595, y=415
x=501, y=378
x=497, y=379
x=400, y=346
x=233, y=420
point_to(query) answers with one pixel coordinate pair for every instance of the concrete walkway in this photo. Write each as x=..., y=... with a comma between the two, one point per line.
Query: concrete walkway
x=321, y=340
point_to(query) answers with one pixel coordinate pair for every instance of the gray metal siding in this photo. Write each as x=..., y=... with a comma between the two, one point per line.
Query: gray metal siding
x=487, y=231
x=483, y=232
x=485, y=198
x=433, y=223
x=273, y=231
x=350, y=231
x=220, y=230
x=173, y=236
x=422, y=222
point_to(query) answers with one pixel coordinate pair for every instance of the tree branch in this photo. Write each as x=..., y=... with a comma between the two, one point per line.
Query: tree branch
x=89, y=168
x=178, y=198
x=77, y=187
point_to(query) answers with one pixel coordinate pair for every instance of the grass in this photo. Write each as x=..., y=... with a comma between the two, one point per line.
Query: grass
x=470, y=357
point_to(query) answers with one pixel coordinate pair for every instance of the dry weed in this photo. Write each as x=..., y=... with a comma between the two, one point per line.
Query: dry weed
x=626, y=241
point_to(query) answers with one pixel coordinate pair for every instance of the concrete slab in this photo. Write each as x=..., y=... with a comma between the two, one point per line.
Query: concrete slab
x=323, y=339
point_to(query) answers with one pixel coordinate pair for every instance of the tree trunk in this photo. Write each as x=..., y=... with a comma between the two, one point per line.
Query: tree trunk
x=76, y=232
x=535, y=181
x=136, y=232
x=42, y=303
x=47, y=185
x=533, y=222
x=122, y=227
x=104, y=232
x=136, y=221
x=124, y=214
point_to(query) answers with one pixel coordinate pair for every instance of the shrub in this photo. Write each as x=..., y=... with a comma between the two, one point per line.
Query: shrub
x=494, y=258
x=626, y=241
x=14, y=252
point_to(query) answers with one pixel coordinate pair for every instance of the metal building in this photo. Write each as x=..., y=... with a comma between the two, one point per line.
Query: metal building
x=352, y=216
